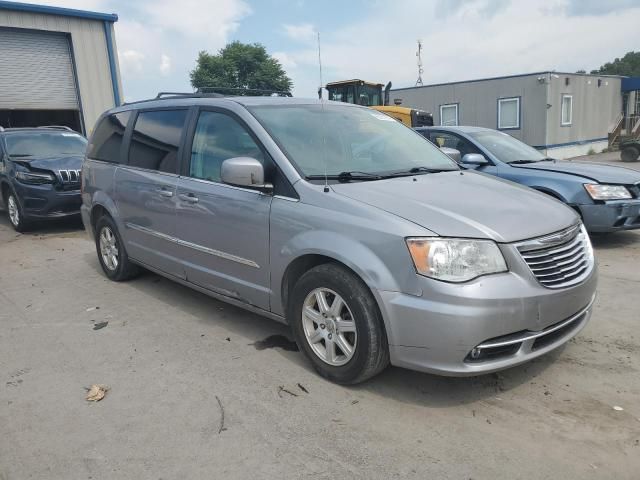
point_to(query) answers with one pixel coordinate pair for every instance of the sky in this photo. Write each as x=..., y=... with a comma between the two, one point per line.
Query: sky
x=158, y=40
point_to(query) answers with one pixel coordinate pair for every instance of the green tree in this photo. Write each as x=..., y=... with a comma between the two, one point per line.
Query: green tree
x=629, y=66
x=240, y=65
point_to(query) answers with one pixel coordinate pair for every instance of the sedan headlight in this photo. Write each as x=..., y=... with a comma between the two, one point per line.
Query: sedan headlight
x=607, y=192
x=35, y=178
x=455, y=260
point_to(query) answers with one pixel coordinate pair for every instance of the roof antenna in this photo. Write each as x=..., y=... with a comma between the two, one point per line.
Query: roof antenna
x=324, y=139
x=419, y=61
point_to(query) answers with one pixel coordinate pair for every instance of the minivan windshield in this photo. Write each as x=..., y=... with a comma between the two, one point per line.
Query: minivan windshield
x=44, y=144
x=354, y=141
x=506, y=148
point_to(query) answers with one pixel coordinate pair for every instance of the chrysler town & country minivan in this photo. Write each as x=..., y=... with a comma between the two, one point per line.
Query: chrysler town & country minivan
x=341, y=222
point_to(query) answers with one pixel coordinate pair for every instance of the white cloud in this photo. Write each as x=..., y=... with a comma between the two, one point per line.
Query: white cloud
x=131, y=61
x=165, y=65
x=464, y=40
x=304, y=32
x=285, y=60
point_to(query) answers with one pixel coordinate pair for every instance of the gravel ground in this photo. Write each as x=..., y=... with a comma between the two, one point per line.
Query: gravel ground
x=169, y=354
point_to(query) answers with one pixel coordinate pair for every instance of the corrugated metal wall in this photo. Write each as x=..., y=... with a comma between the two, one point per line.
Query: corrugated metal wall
x=36, y=71
x=89, y=48
x=595, y=108
x=478, y=103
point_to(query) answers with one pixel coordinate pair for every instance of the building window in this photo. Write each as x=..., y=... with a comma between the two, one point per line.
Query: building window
x=449, y=115
x=567, y=110
x=509, y=113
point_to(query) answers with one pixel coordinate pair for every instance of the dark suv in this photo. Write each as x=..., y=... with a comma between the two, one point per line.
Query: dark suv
x=40, y=173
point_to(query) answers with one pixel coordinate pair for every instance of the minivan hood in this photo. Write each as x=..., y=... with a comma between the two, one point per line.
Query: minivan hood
x=467, y=205
x=67, y=162
x=593, y=171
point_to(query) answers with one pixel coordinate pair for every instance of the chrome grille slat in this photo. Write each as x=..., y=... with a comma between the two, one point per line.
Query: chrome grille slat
x=69, y=176
x=571, y=253
x=575, y=256
x=559, y=260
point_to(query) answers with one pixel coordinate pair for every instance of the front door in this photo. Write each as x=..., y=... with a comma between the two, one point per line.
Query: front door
x=146, y=190
x=223, y=231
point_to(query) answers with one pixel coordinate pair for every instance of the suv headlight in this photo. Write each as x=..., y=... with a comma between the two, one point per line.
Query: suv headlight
x=35, y=178
x=455, y=260
x=607, y=192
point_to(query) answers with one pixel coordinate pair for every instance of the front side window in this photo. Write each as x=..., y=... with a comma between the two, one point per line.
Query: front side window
x=217, y=138
x=155, y=140
x=509, y=113
x=449, y=140
x=449, y=115
x=44, y=144
x=506, y=148
x=107, y=138
x=567, y=110
x=335, y=139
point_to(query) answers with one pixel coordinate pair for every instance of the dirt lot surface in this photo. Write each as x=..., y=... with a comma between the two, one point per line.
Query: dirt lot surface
x=168, y=354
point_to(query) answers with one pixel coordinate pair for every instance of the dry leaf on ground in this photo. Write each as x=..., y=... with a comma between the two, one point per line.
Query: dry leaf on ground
x=96, y=392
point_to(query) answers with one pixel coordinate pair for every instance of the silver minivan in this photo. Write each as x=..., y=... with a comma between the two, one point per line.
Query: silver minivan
x=368, y=241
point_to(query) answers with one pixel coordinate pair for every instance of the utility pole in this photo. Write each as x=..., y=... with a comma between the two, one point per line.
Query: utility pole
x=419, y=61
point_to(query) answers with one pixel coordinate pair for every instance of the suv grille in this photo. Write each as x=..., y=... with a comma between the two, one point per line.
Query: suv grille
x=69, y=176
x=559, y=260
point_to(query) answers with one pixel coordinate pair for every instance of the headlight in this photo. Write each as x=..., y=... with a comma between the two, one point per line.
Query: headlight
x=455, y=260
x=607, y=192
x=36, y=178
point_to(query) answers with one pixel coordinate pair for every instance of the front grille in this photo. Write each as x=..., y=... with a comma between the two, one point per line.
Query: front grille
x=70, y=176
x=559, y=260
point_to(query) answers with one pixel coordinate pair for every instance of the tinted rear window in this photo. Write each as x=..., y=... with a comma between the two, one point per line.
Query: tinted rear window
x=107, y=138
x=155, y=140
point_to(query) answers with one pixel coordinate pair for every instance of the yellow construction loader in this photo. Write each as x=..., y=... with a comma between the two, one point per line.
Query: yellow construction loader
x=371, y=95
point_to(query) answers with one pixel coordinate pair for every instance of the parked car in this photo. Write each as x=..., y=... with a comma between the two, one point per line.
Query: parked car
x=366, y=239
x=606, y=197
x=630, y=150
x=40, y=173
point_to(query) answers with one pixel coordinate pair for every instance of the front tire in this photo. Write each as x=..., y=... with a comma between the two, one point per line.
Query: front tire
x=15, y=213
x=111, y=253
x=337, y=324
x=629, y=154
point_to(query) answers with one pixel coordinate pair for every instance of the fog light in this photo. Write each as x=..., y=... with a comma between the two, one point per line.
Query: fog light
x=475, y=353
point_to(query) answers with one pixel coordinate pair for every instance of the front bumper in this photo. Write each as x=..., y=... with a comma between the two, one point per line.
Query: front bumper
x=611, y=216
x=510, y=316
x=42, y=202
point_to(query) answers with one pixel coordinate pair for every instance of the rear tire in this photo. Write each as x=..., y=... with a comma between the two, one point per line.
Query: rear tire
x=112, y=255
x=630, y=154
x=337, y=324
x=15, y=213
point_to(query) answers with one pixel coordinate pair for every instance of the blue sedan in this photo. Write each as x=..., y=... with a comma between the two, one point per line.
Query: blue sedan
x=606, y=197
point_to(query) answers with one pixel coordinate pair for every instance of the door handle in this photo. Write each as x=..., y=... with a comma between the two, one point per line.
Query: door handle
x=188, y=197
x=165, y=193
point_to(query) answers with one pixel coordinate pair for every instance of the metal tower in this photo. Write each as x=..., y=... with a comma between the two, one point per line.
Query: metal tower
x=419, y=61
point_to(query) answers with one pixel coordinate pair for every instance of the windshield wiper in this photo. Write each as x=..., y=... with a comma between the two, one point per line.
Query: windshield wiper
x=415, y=170
x=526, y=161
x=20, y=155
x=347, y=176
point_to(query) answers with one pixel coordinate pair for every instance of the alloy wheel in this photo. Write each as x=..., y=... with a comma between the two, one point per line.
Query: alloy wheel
x=14, y=212
x=329, y=326
x=109, y=248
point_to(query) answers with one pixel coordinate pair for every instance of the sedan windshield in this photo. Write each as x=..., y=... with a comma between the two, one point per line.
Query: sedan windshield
x=506, y=148
x=44, y=144
x=350, y=143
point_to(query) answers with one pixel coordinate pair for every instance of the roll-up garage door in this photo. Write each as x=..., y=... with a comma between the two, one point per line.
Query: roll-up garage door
x=36, y=71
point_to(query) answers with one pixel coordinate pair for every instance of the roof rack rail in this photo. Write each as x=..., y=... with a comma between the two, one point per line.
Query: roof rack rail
x=196, y=94
x=57, y=127
x=1, y=128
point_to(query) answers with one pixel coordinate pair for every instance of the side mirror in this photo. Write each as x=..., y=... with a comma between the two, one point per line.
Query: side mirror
x=452, y=153
x=474, y=159
x=244, y=172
